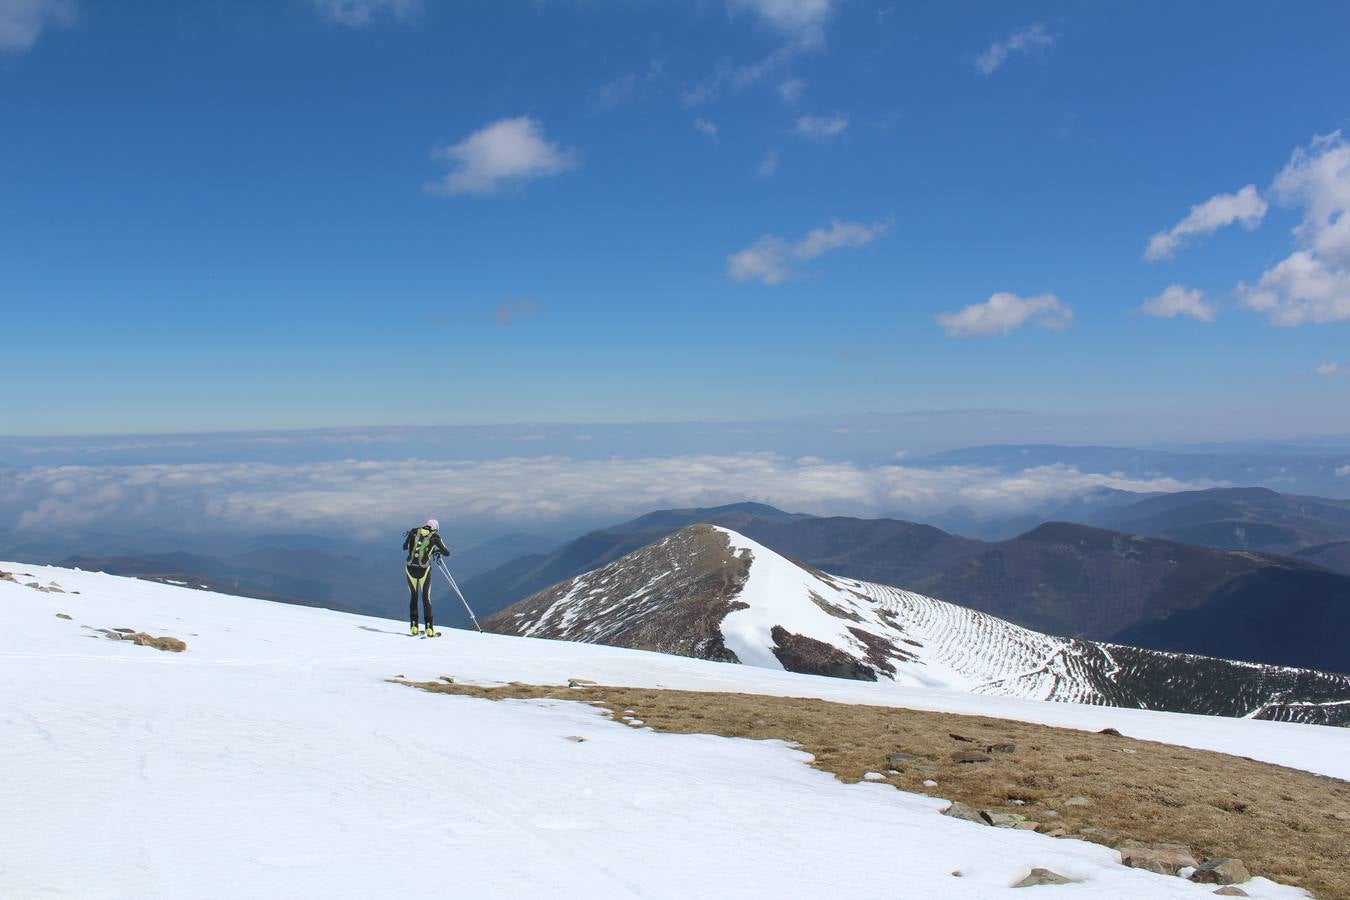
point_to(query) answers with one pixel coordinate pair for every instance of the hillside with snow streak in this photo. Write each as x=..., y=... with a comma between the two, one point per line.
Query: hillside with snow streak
x=711, y=593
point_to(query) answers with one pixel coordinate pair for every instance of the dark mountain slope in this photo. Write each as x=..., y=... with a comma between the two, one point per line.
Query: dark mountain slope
x=1282, y=616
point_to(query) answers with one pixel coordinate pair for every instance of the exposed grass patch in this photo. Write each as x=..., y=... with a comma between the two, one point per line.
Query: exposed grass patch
x=1285, y=824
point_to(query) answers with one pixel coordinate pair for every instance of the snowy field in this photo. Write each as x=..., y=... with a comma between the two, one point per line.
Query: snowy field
x=272, y=759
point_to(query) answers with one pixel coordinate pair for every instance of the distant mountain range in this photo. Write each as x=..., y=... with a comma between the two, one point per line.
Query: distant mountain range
x=1312, y=528
x=1061, y=578
x=710, y=593
x=309, y=571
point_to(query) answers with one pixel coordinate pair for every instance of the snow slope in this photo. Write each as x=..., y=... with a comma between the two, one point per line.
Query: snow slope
x=273, y=759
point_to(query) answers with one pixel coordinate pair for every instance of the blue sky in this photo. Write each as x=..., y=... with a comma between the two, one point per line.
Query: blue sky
x=351, y=212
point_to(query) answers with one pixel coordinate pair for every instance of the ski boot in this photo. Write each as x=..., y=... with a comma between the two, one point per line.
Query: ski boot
x=416, y=630
x=432, y=632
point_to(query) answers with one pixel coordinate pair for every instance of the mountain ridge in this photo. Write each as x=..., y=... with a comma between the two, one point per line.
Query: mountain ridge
x=711, y=593
x=1062, y=578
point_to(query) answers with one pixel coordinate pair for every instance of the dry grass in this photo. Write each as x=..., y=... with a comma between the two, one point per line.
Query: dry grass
x=1285, y=824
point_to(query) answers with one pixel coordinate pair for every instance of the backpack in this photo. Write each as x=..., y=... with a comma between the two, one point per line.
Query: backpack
x=418, y=542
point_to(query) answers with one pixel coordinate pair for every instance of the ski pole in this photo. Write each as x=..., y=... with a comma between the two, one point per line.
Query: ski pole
x=446, y=572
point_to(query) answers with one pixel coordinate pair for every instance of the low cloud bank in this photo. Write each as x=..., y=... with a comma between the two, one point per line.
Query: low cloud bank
x=365, y=497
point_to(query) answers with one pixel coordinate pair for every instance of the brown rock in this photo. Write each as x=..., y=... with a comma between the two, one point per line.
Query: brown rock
x=1164, y=860
x=960, y=737
x=1003, y=748
x=1230, y=891
x=580, y=682
x=64, y=616
x=970, y=756
x=898, y=760
x=959, y=810
x=1111, y=732
x=140, y=638
x=1104, y=836
x=1042, y=876
x=1004, y=819
x=1221, y=870
x=7, y=576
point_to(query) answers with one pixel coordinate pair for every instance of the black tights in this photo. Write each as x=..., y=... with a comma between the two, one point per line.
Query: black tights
x=419, y=578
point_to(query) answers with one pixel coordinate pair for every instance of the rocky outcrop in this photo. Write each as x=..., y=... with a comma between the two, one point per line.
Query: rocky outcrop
x=1164, y=859
x=1221, y=870
x=1038, y=877
x=809, y=656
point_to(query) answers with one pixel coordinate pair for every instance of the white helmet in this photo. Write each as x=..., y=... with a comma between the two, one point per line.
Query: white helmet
x=433, y=525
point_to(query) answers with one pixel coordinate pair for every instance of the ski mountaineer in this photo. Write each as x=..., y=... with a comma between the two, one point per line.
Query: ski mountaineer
x=424, y=546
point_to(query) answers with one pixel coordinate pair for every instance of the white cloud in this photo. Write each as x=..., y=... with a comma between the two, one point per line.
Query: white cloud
x=1327, y=369
x=1176, y=300
x=1004, y=312
x=839, y=234
x=1318, y=179
x=768, y=166
x=771, y=259
x=23, y=21
x=508, y=151
x=704, y=127
x=1245, y=207
x=821, y=127
x=791, y=90
x=801, y=21
x=373, y=498
x=1024, y=41
x=1343, y=471
x=360, y=13
x=1311, y=285
x=1300, y=289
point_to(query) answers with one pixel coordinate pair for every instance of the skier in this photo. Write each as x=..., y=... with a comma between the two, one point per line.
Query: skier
x=424, y=546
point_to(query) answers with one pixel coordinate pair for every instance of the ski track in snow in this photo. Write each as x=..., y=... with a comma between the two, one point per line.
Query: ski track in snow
x=273, y=759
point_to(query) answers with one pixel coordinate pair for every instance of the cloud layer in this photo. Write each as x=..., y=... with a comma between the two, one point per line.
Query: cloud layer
x=368, y=497
x=505, y=152
x=1004, y=312
x=771, y=259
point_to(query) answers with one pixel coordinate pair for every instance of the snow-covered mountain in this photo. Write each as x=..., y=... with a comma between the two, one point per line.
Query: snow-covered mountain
x=711, y=593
